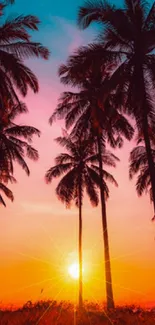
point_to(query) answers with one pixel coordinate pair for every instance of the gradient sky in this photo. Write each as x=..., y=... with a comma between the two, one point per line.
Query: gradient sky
x=38, y=238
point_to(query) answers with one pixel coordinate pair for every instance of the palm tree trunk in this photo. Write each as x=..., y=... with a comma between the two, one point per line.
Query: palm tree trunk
x=146, y=137
x=108, y=277
x=80, y=248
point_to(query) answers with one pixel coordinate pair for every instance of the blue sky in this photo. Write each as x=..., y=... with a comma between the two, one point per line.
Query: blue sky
x=67, y=9
x=55, y=16
x=48, y=9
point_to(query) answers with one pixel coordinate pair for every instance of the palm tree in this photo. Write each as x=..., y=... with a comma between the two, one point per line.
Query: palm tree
x=82, y=109
x=15, y=140
x=81, y=173
x=127, y=41
x=16, y=46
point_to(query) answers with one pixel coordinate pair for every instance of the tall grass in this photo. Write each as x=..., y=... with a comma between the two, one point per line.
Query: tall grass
x=65, y=313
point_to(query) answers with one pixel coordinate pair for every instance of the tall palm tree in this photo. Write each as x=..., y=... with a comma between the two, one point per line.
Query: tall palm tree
x=127, y=41
x=82, y=109
x=16, y=46
x=81, y=173
x=15, y=140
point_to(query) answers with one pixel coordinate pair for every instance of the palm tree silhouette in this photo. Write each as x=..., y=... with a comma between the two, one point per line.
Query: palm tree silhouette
x=15, y=140
x=139, y=166
x=127, y=41
x=81, y=173
x=16, y=46
x=4, y=179
x=82, y=111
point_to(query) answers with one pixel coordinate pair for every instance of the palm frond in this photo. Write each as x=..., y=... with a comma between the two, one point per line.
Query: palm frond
x=32, y=153
x=109, y=158
x=67, y=143
x=143, y=181
x=5, y=177
x=18, y=109
x=23, y=131
x=93, y=11
x=106, y=175
x=66, y=187
x=57, y=171
x=2, y=201
x=16, y=28
x=63, y=158
x=96, y=179
x=139, y=165
x=20, y=75
x=18, y=157
x=7, y=192
x=149, y=21
x=91, y=188
x=84, y=58
x=26, y=50
x=138, y=160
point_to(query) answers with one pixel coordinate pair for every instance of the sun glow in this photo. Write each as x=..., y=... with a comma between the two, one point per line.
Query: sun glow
x=73, y=271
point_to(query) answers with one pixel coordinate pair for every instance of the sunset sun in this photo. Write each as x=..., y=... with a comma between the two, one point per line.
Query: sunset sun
x=73, y=270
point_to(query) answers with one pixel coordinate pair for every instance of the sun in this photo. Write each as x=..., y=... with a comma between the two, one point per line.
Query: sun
x=73, y=270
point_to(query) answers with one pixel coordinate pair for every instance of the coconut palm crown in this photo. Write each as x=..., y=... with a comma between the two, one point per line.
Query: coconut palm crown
x=16, y=45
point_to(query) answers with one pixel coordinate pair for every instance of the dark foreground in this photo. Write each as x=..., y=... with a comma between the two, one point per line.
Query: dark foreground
x=53, y=313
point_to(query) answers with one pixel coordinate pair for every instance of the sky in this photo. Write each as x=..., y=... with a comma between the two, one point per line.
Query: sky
x=38, y=240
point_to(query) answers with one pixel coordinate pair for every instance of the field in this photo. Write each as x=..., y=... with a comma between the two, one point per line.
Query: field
x=53, y=313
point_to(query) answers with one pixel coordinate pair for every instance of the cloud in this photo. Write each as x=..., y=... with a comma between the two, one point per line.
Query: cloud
x=37, y=207
x=46, y=208
x=69, y=37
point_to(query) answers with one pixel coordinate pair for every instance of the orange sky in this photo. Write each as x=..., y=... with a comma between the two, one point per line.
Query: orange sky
x=39, y=236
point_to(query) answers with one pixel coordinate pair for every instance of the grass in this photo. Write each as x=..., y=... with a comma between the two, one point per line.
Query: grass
x=53, y=313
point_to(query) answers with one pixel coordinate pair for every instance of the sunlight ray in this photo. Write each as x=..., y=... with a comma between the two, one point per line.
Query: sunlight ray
x=118, y=285
x=54, y=284
x=128, y=255
x=32, y=285
x=33, y=258
x=59, y=315
x=94, y=299
x=95, y=278
x=37, y=284
x=56, y=296
x=132, y=290
x=53, y=242
x=101, y=239
x=113, y=271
